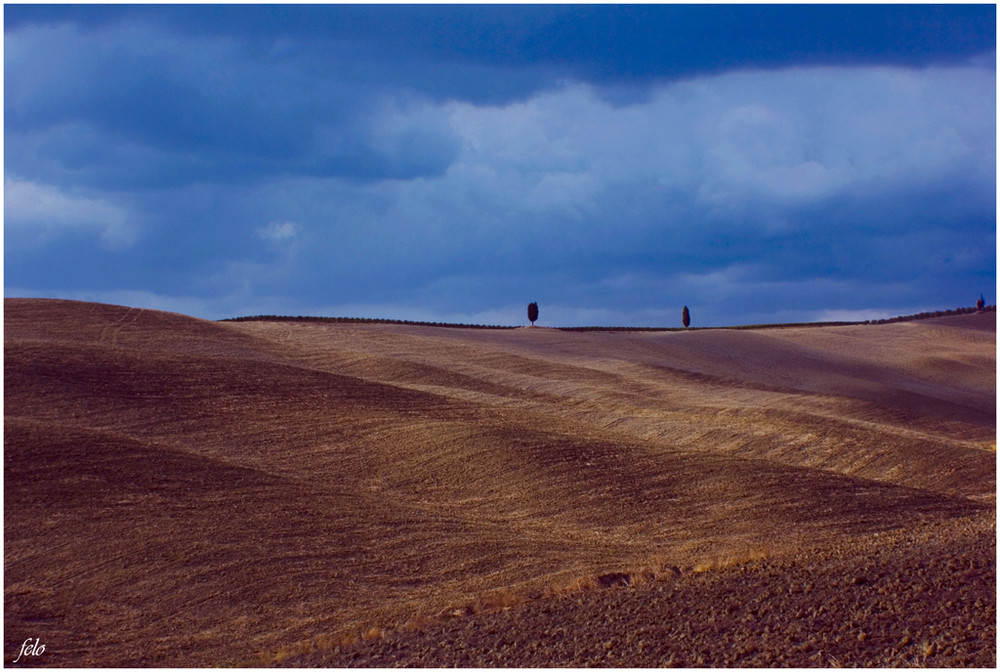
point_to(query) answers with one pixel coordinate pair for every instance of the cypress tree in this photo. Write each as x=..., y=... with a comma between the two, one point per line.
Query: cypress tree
x=532, y=312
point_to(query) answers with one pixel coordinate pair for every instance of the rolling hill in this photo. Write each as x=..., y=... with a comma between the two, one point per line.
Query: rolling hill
x=181, y=492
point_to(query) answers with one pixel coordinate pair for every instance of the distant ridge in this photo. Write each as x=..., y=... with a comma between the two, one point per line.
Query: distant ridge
x=368, y=320
x=360, y=320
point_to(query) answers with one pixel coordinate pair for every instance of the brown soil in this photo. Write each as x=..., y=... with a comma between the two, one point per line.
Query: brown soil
x=893, y=600
x=182, y=492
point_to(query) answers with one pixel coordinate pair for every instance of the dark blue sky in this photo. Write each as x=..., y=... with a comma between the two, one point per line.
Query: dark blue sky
x=452, y=163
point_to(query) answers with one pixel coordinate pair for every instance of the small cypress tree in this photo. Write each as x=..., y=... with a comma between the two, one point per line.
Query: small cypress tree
x=981, y=303
x=532, y=312
x=686, y=317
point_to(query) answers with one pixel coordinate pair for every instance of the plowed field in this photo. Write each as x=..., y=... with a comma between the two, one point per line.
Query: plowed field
x=187, y=493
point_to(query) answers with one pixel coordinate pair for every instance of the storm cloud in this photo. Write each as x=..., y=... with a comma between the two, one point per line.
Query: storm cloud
x=454, y=163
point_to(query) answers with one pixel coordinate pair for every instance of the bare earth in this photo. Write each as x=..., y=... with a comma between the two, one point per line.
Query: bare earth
x=187, y=493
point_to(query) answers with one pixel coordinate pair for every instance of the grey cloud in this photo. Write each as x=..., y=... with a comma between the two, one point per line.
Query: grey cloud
x=143, y=108
x=802, y=189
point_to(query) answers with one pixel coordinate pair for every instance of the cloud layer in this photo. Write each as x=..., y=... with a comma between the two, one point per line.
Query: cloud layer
x=329, y=165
